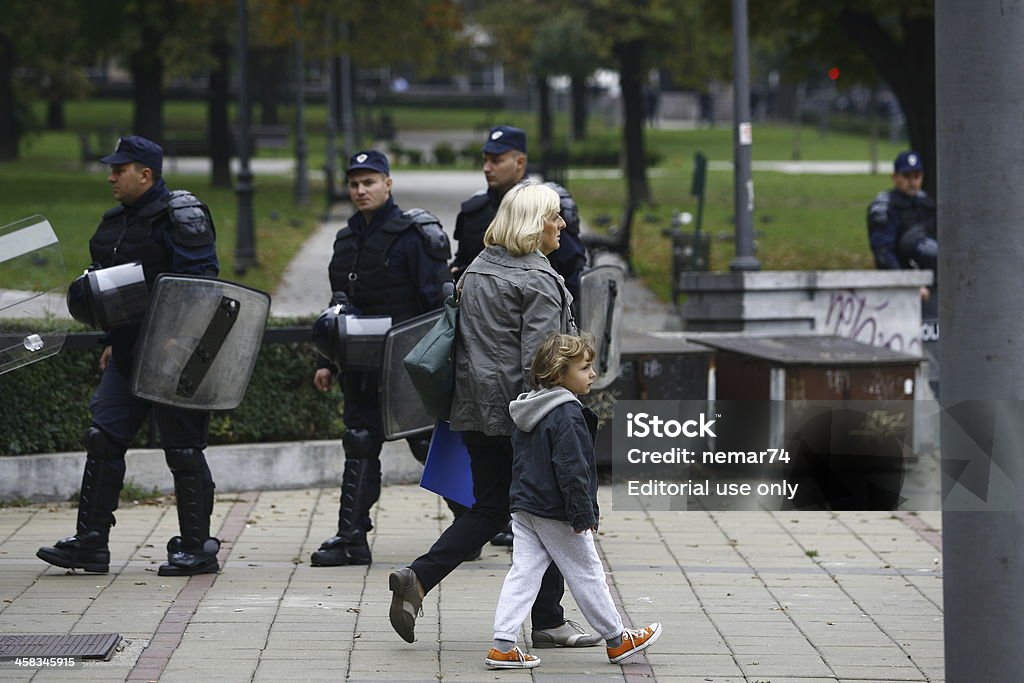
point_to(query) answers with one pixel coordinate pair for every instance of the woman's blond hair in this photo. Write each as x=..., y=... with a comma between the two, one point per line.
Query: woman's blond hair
x=554, y=355
x=519, y=224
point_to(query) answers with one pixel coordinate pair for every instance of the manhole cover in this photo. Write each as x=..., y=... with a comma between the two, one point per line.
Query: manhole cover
x=85, y=646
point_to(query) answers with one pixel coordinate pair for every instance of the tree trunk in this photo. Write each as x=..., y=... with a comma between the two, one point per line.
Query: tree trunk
x=579, y=107
x=631, y=75
x=909, y=69
x=10, y=132
x=218, y=123
x=55, y=115
x=148, y=86
x=544, y=114
x=268, y=84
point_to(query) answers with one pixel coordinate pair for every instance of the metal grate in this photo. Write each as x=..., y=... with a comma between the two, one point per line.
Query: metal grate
x=85, y=646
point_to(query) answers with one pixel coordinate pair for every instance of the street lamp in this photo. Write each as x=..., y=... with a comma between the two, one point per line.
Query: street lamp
x=245, y=247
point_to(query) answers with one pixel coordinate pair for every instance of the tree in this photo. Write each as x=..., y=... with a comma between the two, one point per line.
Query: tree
x=896, y=37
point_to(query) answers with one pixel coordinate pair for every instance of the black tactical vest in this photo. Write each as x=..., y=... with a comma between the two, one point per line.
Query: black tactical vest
x=122, y=238
x=360, y=269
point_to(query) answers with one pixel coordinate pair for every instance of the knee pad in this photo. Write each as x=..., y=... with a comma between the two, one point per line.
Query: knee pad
x=100, y=446
x=360, y=444
x=185, y=460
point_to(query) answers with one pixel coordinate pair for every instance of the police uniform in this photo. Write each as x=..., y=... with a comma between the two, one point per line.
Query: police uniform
x=477, y=212
x=395, y=266
x=168, y=233
x=901, y=230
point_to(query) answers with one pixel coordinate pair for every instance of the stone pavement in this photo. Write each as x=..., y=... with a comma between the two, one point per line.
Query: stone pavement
x=784, y=597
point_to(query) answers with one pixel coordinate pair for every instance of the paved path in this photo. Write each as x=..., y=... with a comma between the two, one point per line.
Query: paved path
x=744, y=597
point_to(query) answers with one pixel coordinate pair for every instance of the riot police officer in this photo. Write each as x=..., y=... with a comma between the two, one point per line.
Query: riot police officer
x=505, y=165
x=901, y=221
x=386, y=263
x=167, y=233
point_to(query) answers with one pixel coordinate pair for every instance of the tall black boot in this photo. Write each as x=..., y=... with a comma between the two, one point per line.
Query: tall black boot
x=194, y=551
x=102, y=480
x=360, y=489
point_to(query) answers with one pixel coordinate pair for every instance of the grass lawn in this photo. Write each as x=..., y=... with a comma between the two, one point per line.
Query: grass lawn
x=49, y=181
x=803, y=222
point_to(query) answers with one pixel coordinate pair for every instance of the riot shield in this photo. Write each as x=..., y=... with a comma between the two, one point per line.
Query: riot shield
x=601, y=294
x=33, y=316
x=199, y=342
x=401, y=410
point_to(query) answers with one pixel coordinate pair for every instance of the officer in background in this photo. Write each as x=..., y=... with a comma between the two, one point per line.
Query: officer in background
x=901, y=221
x=168, y=233
x=504, y=166
x=386, y=262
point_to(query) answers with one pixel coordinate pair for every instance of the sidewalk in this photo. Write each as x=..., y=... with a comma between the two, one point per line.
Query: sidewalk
x=780, y=597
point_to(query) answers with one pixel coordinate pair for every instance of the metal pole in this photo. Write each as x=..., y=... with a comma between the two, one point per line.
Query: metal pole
x=743, y=184
x=330, y=148
x=977, y=58
x=348, y=122
x=245, y=247
x=301, y=168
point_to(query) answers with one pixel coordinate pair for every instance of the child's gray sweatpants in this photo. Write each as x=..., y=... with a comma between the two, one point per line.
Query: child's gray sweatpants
x=538, y=541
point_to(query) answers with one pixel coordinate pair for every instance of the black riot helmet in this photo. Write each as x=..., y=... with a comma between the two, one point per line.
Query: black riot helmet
x=567, y=208
x=110, y=297
x=347, y=340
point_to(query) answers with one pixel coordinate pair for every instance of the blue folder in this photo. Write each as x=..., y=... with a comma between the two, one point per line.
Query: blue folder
x=447, y=471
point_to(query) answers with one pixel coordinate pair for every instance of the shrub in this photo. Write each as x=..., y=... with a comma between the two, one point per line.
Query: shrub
x=444, y=154
x=46, y=404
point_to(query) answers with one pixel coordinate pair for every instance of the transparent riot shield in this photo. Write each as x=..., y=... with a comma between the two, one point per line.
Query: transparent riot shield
x=402, y=411
x=199, y=342
x=33, y=317
x=601, y=294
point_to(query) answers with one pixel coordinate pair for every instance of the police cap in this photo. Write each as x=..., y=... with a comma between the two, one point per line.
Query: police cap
x=502, y=139
x=908, y=161
x=138, y=149
x=371, y=160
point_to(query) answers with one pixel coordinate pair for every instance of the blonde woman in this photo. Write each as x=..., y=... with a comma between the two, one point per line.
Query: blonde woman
x=510, y=300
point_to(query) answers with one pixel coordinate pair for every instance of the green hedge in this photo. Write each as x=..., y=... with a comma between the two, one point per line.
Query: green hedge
x=46, y=404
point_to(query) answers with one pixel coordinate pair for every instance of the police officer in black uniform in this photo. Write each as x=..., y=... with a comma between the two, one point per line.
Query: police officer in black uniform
x=168, y=232
x=504, y=166
x=901, y=221
x=386, y=262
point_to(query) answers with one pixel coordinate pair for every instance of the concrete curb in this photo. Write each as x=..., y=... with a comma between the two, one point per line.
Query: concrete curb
x=244, y=467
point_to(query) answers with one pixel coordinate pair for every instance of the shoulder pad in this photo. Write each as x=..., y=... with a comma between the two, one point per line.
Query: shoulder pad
x=191, y=222
x=344, y=233
x=182, y=198
x=476, y=202
x=110, y=213
x=433, y=234
x=570, y=212
x=879, y=206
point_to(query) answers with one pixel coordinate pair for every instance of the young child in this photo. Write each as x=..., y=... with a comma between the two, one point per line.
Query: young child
x=554, y=505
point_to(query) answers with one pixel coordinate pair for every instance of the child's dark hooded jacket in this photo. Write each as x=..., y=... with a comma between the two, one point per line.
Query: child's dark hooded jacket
x=554, y=468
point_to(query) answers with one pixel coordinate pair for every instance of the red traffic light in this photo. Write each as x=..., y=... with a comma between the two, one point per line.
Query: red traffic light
x=833, y=74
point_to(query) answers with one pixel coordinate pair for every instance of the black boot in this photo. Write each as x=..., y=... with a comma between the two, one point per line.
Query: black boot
x=101, y=487
x=194, y=551
x=503, y=537
x=360, y=489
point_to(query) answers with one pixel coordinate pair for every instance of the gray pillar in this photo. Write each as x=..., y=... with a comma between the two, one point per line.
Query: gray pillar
x=981, y=245
x=742, y=137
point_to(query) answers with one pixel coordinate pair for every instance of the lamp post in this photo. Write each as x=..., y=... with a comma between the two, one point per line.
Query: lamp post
x=245, y=247
x=743, y=183
x=301, y=170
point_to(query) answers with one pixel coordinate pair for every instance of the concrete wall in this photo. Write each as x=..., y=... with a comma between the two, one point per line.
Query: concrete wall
x=57, y=476
x=876, y=307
